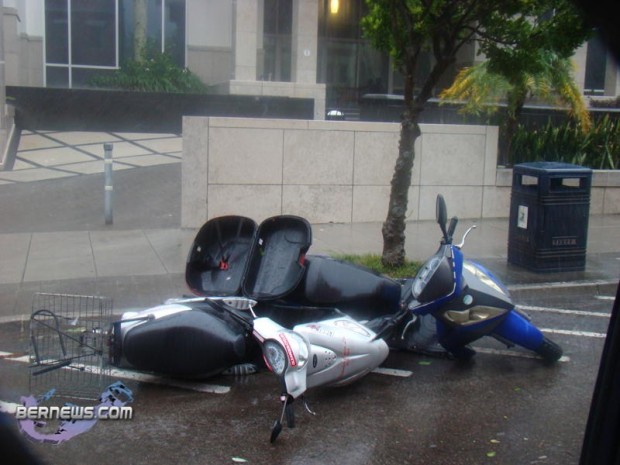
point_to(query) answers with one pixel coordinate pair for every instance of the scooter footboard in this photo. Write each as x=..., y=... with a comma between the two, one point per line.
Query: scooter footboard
x=515, y=328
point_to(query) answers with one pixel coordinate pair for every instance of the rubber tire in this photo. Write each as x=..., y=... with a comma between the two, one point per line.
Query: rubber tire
x=549, y=351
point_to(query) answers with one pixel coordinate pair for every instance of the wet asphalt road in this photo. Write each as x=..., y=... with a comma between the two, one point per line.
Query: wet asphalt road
x=498, y=409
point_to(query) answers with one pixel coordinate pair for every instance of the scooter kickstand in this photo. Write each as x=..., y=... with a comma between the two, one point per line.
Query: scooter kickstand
x=277, y=426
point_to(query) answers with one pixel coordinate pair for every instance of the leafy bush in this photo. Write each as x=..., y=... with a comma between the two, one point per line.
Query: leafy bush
x=599, y=148
x=158, y=73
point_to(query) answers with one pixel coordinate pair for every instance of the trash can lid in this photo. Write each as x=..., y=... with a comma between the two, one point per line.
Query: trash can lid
x=551, y=167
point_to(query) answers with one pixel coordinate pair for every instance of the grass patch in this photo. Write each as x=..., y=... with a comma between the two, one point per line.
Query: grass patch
x=373, y=261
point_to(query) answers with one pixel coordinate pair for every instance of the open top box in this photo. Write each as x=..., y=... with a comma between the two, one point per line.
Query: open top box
x=231, y=255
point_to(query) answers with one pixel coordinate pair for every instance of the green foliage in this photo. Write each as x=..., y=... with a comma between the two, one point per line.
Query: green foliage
x=510, y=31
x=538, y=27
x=598, y=148
x=482, y=90
x=158, y=73
x=373, y=262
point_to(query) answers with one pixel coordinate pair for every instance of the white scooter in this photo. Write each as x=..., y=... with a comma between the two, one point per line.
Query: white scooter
x=329, y=352
x=332, y=352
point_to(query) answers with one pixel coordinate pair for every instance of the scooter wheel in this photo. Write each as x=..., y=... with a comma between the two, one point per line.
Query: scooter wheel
x=549, y=351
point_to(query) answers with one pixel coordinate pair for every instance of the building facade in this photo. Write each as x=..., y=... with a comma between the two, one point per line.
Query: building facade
x=296, y=48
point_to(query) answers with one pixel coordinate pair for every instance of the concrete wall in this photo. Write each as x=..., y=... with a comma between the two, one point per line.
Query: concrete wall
x=23, y=53
x=333, y=171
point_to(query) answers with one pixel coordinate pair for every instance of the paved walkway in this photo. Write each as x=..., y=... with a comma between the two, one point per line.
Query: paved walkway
x=53, y=237
x=44, y=155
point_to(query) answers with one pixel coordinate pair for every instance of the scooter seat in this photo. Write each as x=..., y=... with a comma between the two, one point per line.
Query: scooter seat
x=355, y=290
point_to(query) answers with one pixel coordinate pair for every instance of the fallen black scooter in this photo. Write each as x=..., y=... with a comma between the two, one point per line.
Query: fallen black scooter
x=449, y=304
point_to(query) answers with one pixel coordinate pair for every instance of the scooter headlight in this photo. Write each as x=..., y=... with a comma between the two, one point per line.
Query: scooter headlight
x=275, y=357
x=290, y=350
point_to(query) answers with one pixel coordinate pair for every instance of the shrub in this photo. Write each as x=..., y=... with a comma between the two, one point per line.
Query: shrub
x=158, y=73
x=599, y=148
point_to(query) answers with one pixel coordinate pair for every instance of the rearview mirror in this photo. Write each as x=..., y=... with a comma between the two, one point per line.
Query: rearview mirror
x=441, y=213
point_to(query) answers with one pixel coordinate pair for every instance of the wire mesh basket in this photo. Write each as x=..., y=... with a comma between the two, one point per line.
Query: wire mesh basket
x=69, y=345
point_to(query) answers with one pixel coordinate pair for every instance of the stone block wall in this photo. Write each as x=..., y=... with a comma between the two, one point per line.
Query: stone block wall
x=340, y=171
x=331, y=171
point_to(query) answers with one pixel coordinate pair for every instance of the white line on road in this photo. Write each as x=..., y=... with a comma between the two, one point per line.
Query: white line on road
x=154, y=379
x=136, y=376
x=393, y=372
x=533, y=308
x=19, y=358
x=560, y=285
x=8, y=407
x=604, y=297
x=574, y=333
x=513, y=353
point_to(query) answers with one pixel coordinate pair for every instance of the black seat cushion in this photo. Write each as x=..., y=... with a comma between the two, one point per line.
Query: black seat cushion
x=355, y=290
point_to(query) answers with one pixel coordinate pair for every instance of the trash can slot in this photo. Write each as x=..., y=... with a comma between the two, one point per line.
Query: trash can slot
x=580, y=183
x=527, y=181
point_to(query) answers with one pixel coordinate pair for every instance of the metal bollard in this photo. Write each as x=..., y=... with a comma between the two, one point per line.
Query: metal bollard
x=109, y=185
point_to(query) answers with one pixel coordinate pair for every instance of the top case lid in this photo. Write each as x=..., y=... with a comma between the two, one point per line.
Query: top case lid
x=219, y=255
x=277, y=262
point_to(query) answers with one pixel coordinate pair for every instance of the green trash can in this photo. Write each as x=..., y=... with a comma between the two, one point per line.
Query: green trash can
x=549, y=213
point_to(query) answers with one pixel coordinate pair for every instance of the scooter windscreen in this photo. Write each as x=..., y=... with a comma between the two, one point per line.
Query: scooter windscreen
x=436, y=278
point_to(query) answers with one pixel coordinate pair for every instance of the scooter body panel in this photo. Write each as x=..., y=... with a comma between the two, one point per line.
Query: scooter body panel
x=341, y=351
x=184, y=340
x=517, y=329
x=477, y=305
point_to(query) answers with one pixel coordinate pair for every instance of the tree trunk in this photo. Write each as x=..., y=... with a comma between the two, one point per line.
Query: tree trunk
x=394, y=226
x=139, y=29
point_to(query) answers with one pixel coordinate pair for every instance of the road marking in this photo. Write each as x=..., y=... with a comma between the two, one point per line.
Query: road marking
x=574, y=333
x=514, y=353
x=604, y=297
x=393, y=372
x=8, y=407
x=533, y=308
x=560, y=284
x=135, y=376
x=178, y=383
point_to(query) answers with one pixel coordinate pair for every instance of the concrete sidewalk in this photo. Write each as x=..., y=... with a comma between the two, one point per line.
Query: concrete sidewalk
x=143, y=267
x=53, y=237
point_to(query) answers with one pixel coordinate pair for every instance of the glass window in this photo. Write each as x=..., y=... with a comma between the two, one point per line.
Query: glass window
x=277, y=27
x=153, y=28
x=56, y=31
x=93, y=33
x=341, y=19
x=174, y=28
x=596, y=67
x=149, y=14
x=348, y=64
x=82, y=34
x=57, y=76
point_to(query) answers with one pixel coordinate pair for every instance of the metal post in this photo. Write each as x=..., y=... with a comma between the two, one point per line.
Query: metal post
x=109, y=185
